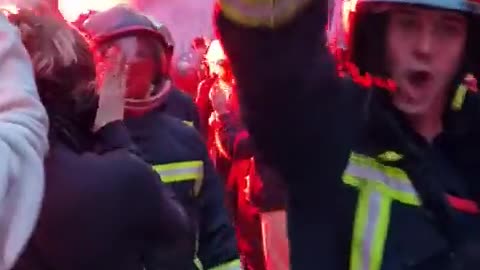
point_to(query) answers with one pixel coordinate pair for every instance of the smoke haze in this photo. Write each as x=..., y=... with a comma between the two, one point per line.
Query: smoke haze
x=186, y=19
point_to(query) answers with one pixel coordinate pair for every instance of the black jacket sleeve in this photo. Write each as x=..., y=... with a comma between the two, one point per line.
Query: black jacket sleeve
x=217, y=244
x=97, y=202
x=233, y=137
x=113, y=136
x=301, y=115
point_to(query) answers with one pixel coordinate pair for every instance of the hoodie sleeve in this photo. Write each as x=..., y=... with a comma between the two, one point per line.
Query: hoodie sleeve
x=115, y=135
x=23, y=145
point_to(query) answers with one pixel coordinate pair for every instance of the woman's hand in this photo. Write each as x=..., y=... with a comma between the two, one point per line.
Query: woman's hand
x=111, y=89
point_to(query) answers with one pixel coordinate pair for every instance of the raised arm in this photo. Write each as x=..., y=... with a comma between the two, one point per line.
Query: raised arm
x=299, y=113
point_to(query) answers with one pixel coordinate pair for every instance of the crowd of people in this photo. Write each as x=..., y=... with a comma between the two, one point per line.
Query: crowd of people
x=274, y=146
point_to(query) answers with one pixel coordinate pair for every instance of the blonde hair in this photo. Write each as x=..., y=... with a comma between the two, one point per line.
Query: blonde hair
x=52, y=43
x=63, y=63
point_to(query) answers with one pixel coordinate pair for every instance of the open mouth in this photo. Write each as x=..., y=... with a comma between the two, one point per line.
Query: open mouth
x=419, y=79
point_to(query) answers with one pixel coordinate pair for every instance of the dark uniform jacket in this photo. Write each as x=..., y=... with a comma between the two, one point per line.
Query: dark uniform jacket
x=181, y=106
x=177, y=152
x=365, y=191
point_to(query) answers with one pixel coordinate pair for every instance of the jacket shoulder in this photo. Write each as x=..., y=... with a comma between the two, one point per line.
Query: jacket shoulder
x=178, y=96
x=118, y=164
x=182, y=131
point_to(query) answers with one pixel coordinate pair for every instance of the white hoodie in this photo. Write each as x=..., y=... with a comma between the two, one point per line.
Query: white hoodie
x=23, y=146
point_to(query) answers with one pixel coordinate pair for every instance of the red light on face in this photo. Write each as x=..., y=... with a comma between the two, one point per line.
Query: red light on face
x=139, y=78
x=140, y=58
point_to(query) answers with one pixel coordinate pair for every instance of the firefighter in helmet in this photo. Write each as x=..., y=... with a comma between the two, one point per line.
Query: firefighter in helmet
x=177, y=103
x=381, y=162
x=175, y=150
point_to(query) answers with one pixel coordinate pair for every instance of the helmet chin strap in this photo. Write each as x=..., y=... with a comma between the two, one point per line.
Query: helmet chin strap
x=140, y=106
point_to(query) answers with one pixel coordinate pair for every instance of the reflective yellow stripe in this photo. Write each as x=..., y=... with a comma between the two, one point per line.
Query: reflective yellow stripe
x=371, y=163
x=390, y=181
x=259, y=13
x=188, y=123
x=459, y=97
x=198, y=263
x=370, y=230
x=378, y=186
x=406, y=198
x=182, y=171
x=231, y=265
x=390, y=156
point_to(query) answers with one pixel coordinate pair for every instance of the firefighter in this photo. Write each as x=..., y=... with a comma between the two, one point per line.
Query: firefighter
x=175, y=150
x=104, y=207
x=376, y=179
x=178, y=103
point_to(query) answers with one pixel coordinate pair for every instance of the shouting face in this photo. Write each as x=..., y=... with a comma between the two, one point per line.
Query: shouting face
x=425, y=49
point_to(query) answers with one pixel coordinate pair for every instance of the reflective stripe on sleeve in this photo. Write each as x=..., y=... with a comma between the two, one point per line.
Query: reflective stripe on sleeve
x=231, y=265
x=182, y=171
x=459, y=98
x=188, y=123
x=198, y=263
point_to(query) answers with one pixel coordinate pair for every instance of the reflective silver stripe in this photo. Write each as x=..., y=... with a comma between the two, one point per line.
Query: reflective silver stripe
x=180, y=171
x=378, y=186
x=369, y=174
x=183, y=171
x=370, y=230
x=373, y=217
x=231, y=265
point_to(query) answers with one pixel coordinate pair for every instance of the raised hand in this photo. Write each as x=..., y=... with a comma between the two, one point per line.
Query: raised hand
x=111, y=88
